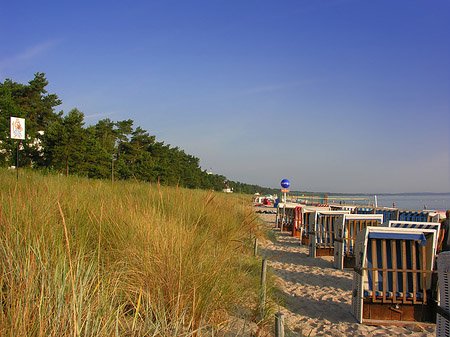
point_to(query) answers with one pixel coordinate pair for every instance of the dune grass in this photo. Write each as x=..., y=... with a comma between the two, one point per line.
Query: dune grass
x=83, y=257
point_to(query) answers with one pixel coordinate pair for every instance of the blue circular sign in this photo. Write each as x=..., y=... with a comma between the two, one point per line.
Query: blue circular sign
x=285, y=183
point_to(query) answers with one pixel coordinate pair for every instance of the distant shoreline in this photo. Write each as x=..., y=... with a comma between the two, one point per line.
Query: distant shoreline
x=372, y=194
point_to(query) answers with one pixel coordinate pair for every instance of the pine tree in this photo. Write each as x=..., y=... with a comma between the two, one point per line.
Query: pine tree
x=65, y=142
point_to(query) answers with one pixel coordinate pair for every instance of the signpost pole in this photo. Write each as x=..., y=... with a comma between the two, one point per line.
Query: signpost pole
x=17, y=160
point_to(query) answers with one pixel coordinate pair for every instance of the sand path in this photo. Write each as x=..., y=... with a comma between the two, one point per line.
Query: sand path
x=318, y=296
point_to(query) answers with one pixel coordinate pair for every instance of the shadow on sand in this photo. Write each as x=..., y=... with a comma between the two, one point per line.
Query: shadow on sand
x=290, y=261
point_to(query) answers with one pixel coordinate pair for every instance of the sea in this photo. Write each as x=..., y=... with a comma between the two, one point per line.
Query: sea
x=435, y=202
x=416, y=201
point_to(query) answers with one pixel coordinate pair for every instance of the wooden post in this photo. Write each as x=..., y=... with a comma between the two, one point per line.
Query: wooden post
x=263, y=286
x=255, y=247
x=263, y=272
x=279, y=325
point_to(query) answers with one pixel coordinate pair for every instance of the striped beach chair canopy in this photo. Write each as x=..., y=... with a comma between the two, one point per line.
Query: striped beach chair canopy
x=418, y=225
x=422, y=216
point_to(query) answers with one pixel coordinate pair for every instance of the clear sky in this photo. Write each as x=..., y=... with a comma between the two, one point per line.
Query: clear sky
x=335, y=95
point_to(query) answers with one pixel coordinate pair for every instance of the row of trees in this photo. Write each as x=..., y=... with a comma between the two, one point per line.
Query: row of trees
x=61, y=142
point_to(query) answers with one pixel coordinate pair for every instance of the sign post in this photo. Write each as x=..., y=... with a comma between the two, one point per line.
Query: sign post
x=285, y=189
x=18, y=133
x=285, y=184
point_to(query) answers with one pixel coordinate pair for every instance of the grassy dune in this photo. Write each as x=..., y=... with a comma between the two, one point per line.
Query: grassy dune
x=82, y=257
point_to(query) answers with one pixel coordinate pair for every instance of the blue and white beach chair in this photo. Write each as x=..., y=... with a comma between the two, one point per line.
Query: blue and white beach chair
x=363, y=210
x=423, y=216
x=388, y=213
x=347, y=227
x=307, y=217
x=420, y=225
x=288, y=217
x=393, y=275
x=322, y=233
x=285, y=216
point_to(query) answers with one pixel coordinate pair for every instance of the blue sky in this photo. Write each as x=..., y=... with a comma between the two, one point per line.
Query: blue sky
x=335, y=95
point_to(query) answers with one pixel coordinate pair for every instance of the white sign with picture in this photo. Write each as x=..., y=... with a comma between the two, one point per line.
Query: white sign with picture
x=17, y=128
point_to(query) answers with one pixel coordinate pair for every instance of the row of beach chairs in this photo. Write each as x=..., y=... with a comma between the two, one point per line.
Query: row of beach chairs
x=322, y=228
x=392, y=253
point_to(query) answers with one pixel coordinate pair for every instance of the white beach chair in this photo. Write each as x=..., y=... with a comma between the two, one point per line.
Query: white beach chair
x=393, y=275
x=285, y=216
x=364, y=210
x=306, y=218
x=322, y=233
x=414, y=224
x=289, y=217
x=423, y=216
x=388, y=213
x=279, y=217
x=443, y=316
x=347, y=227
x=297, y=226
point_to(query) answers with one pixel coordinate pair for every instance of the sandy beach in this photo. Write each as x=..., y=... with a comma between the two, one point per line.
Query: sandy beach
x=318, y=296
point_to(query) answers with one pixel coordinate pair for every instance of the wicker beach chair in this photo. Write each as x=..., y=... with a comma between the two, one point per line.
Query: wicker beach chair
x=423, y=216
x=364, y=210
x=289, y=217
x=352, y=209
x=393, y=275
x=388, y=213
x=279, y=217
x=298, y=221
x=415, y=224
x=304, y=218
x=347, y=227
x=322, y=233
x=285, y=216
x=443, y=316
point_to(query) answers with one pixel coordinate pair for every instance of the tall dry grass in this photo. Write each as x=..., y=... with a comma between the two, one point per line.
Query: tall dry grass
x=82, y=257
